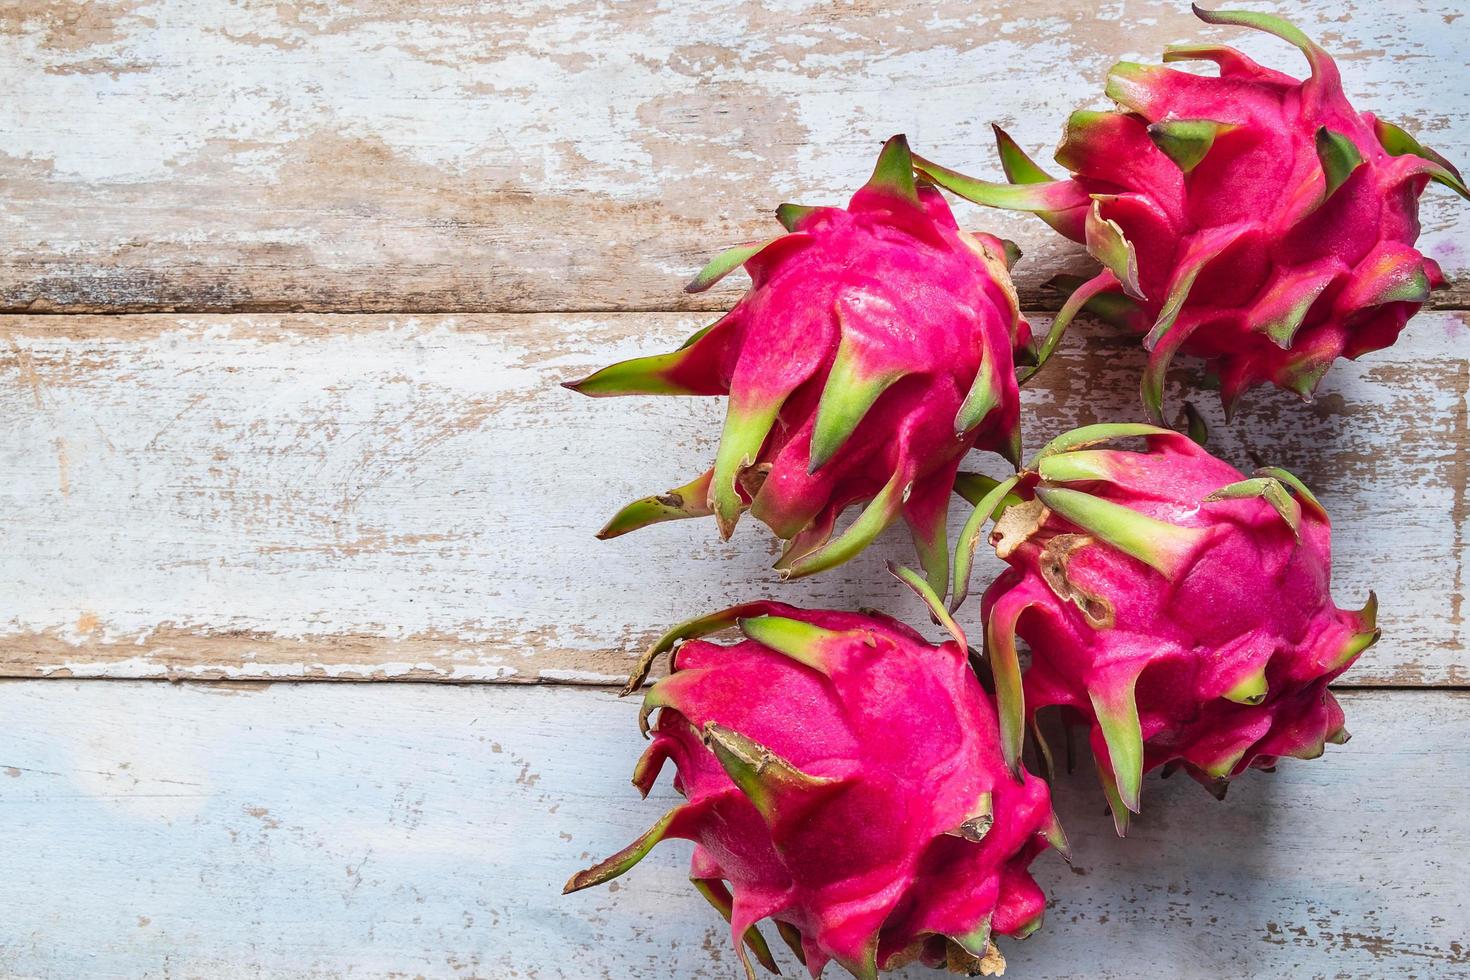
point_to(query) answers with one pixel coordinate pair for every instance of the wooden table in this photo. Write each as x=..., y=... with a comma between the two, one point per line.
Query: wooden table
x=288, y=287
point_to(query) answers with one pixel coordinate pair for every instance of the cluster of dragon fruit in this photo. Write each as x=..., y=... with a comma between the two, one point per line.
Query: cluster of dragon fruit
x=867, y=790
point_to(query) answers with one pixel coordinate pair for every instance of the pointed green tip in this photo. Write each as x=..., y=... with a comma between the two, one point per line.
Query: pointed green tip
x=624, y=860
x=1048, y=199
x=1005, y=669
x=1282, y=327
x=1135, y=88
x=718, y=895
x=930, y=534
x=1027, y=929
x=931, y=599
x=976, y=941
x=688, y=630
x=1122, y=816
x=1302, y=491
x=1082, y=466
x=1165, y=547
x=1227, y=58
x=1092, y=435
x=850, y=392
x=1196, y=427
x=1354, y=648
x=1339, y=158
x=792, y=215
x=1057, y=837
x=766, y=779
x=690, y=500
x=894, y=172
x=1010, y=450
x=1222, y=767
x=1269, y=489
x=1186, y=141
x=638, y=376
x=1303, y=377
x=1018, y=166
x=1399, y=142
x=988, y=496
x=800, y=641
x=1013, y=252
x=983, y=396
x=746, y=428
x=1107, y=243
x=1250, y=689
x=1322, y=65
x=1117, y=717
x=791, y=936
x=1368, y=615
x=723, y=264
x=881, y=511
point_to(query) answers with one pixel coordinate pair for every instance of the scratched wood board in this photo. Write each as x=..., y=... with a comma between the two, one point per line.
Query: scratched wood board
x=390, y=830
x=381, y=156
x=370, y=497
x=407, y=496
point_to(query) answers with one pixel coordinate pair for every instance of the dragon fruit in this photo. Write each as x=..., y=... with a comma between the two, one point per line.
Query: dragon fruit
x=843, y=777
x=1256, y=221
x=874, y=349
x=1182, y=611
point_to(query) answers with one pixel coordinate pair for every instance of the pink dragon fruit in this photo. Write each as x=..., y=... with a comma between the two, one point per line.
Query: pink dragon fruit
x=1259, y=222
x=1182, y=611
x=843, y=777
x=873, y=350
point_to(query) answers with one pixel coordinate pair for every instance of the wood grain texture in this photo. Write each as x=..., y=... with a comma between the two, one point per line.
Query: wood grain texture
x=386, y=156
x=328, y=831
x=381, y=497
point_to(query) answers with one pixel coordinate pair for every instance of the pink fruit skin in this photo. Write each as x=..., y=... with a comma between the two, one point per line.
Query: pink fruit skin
x=919, y=305
x=1279, y=271
x=1250, y=199
x=922, y=303
x=866, y=867
x=1249, y=597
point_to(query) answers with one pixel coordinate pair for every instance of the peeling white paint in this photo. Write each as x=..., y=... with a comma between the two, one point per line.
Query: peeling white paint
x=194, y=155
x=379, y=496
x=337, y=830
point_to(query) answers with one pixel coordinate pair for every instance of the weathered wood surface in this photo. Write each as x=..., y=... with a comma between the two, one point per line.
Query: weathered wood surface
x=370, y=497
x=407, y=495
x=327, y=831
x=384, y=156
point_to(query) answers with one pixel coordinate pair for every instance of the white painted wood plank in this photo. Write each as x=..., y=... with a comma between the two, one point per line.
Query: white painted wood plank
x=397, y=497
x=170, y=154
x=326, y=831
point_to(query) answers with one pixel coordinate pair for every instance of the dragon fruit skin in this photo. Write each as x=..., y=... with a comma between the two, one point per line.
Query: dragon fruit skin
x=1251, y=219
x=1182, y=611
x=844, y=777
x=872, y=351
